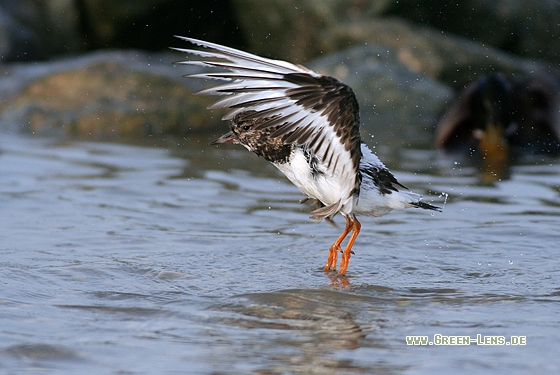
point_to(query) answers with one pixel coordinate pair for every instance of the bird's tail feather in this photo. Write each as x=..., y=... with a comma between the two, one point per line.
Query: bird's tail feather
x=426, y=206
x=415, y=200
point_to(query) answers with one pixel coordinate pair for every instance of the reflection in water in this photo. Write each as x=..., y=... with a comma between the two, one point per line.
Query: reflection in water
x=316, y=323
x=337, y=280
x=41, y=352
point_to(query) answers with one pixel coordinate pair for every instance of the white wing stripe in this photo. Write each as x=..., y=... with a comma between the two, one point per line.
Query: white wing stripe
x=232, y=67
x=237, y=76
x=231, y=54
x=263, y=112
x=249, y=60
x=247, y=100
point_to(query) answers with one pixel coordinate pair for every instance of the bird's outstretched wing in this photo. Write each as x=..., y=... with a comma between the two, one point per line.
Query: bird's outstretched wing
x=308, y=108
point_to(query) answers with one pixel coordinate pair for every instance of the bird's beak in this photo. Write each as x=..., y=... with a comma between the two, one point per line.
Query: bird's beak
x=228, y=137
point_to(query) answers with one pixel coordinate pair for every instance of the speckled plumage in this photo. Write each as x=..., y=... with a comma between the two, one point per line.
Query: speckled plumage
x=307, y=125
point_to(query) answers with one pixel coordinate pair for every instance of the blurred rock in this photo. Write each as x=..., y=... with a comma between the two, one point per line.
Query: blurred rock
x=527, y=28
x=448, y=58
x=397, y=104
x=105, y=95
x=296, y=30
x=299, y=30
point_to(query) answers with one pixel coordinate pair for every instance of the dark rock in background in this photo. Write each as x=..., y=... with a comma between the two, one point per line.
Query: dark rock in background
x=300, y=30
x=450, y=59
x=38, y=30
x=18, y=20
x=151, y=24
x=526, y=28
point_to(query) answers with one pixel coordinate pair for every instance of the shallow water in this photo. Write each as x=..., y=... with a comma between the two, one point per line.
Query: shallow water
x=196, y=259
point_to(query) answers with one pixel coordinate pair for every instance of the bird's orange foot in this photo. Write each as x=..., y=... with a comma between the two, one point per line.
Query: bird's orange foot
x=344, y=263
x=356, y=226
x=341, y=275
x=335, y=247
x=333, y=257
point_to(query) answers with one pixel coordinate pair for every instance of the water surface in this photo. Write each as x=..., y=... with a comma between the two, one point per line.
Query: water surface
x=186, y=258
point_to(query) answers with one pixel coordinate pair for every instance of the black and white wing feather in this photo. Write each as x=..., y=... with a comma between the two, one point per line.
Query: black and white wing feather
x=308, y=108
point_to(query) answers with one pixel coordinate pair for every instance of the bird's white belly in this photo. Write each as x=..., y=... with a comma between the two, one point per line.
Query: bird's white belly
x=321, y=186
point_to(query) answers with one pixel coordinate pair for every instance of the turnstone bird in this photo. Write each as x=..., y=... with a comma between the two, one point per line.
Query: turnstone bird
x=307, y=125
x=500, y=117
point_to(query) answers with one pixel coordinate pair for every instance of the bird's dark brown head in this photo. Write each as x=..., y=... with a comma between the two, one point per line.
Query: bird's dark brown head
x=246, y=130
x=243, y=131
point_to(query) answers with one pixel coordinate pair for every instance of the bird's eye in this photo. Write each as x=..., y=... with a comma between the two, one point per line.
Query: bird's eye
x=246, y=127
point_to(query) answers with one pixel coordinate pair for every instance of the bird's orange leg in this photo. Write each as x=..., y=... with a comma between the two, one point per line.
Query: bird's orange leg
x=356, y=226
x=335, y=247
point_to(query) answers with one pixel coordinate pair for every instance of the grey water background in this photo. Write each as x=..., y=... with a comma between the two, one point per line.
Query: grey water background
x=184, y=258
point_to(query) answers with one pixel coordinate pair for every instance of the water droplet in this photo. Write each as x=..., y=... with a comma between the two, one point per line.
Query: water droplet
x=480, y=263
x=489, y=263
x=511, y=262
